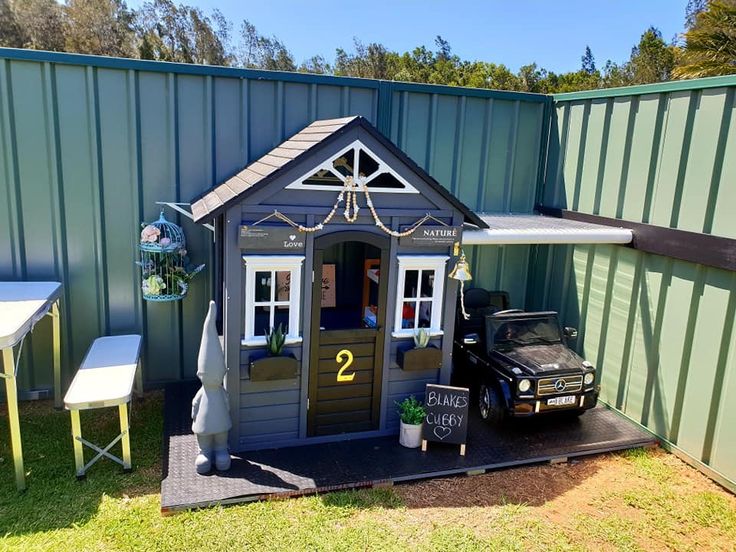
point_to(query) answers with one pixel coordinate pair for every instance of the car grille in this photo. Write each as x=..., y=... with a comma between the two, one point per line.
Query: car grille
x=550, y=386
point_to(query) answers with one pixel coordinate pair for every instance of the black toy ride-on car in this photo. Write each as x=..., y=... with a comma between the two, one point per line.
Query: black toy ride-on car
x=518, y=363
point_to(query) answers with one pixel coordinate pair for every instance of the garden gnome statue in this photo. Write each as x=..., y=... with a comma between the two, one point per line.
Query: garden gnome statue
x=210, y=410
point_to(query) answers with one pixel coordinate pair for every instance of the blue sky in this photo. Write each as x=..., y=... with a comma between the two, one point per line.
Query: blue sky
x=513, y=32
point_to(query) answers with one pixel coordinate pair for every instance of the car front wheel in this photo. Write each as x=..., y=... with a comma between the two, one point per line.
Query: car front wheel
x=489, y=404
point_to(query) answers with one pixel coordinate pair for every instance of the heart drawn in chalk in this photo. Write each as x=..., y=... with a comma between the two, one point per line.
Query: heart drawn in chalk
x=441, y=432
x=292, y=237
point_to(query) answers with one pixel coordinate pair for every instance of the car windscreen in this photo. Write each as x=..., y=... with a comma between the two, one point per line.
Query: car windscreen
x=524, y=331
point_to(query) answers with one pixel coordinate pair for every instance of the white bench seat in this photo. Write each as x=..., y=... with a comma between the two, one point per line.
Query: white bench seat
x=105, y=378
x=107, y=373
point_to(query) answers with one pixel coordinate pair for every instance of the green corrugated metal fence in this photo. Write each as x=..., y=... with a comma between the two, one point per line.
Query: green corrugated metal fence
x=665, y=156
x=88, y=144
x=660, y=330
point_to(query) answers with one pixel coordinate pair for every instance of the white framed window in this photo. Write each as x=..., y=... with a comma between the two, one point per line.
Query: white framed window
x=272, y=296
x=420, y=293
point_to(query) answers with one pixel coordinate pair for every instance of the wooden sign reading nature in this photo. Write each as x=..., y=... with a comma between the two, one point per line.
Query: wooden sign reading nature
x=447, y=415
x=433, y=236
x=271, y=237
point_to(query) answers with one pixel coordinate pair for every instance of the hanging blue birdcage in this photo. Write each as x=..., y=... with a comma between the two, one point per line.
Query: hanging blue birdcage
x=165, y=268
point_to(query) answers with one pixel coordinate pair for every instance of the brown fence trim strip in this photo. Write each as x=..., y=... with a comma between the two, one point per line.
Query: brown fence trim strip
x=695, y=247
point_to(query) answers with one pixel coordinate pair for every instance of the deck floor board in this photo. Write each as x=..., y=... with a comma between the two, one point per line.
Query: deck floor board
x=307, y=469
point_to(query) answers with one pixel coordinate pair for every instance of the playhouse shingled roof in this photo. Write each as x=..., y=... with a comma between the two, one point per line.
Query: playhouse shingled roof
x=317, y=135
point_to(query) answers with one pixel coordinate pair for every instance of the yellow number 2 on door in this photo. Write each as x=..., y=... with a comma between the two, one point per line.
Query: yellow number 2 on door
x=346, y=355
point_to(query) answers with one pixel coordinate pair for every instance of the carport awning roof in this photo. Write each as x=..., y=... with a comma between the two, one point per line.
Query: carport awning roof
x=539, y=229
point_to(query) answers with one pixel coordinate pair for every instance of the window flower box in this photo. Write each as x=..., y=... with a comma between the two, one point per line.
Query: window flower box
x=420, y=359
x=271, y=368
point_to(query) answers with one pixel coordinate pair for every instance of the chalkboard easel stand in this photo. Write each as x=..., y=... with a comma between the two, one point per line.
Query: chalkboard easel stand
x=424, y=447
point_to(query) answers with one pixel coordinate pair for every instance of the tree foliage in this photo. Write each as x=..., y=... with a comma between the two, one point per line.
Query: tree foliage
x=652, y=60
x=588, y=61
x=261, y=52
x=10, y=31
x=177, y=32
x=170, y=31
x=99, y=27
x=710, y=42
x=693, y=8
x=35, y=24
x=368, y=61
x=317, y=65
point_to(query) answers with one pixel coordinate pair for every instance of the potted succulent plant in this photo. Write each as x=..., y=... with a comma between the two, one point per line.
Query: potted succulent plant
x=422, y=357
x=276, y=364
x=412, y=413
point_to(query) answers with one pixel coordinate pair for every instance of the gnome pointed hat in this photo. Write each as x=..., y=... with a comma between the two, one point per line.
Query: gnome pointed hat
x=211, y=360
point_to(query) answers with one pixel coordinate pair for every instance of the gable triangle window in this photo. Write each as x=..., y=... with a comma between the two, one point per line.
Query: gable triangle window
x=358, y=163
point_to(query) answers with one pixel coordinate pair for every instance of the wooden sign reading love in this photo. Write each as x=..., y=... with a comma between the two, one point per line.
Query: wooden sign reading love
x=447, y=415
x=271, y=237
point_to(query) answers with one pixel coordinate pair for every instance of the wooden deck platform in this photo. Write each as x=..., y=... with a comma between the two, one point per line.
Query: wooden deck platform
x=309, y=469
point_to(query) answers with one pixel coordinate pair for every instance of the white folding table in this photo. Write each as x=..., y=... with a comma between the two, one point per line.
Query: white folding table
x=22, y=304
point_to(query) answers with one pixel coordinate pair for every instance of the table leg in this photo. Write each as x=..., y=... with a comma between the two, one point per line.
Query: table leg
x=11, y=396
x=139, y=380
x=125, y=431
x=78, y=450
x=56, y=321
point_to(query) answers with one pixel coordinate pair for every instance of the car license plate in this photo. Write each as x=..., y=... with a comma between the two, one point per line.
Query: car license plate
x=561, y=401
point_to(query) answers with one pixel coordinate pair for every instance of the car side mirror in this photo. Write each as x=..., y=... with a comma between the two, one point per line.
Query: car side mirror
x=570, y=333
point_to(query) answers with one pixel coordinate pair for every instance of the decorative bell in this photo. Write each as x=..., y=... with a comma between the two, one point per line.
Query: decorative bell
x=461, y=272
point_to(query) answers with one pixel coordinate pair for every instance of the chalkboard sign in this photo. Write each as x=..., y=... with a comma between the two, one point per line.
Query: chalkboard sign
x=447, y=415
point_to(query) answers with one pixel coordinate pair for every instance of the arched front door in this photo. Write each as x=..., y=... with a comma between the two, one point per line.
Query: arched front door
x=348, y=326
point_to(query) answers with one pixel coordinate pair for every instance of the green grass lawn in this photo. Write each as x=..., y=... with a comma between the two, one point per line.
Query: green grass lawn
x=630, y=501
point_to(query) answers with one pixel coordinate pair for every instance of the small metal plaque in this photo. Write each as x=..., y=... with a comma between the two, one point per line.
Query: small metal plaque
x=271, y=237
x=433, y=236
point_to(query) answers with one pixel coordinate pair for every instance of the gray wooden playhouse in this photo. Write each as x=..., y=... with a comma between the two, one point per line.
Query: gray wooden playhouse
x=349, y=290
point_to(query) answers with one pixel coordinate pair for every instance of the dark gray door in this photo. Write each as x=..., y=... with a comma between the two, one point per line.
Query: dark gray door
x=346, y=361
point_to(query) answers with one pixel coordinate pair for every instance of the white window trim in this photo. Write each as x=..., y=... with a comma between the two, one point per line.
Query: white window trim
x=257, y=263
x=421, y=262
x=383, y=167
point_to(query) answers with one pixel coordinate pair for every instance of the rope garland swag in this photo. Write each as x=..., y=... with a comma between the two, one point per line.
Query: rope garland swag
x=349, y=194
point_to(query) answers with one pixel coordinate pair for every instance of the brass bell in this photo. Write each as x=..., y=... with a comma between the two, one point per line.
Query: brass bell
x=461, y=272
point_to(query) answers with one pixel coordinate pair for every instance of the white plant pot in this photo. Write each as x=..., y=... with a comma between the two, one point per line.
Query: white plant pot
x=410, y=435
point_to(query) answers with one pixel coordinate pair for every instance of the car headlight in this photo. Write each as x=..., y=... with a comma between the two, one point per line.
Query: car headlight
x=524, y=385
x=589, y=378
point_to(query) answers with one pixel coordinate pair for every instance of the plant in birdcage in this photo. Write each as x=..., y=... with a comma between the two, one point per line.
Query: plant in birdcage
x=165, y=267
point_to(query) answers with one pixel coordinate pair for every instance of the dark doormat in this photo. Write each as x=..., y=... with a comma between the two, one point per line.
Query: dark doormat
x=294, y=471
